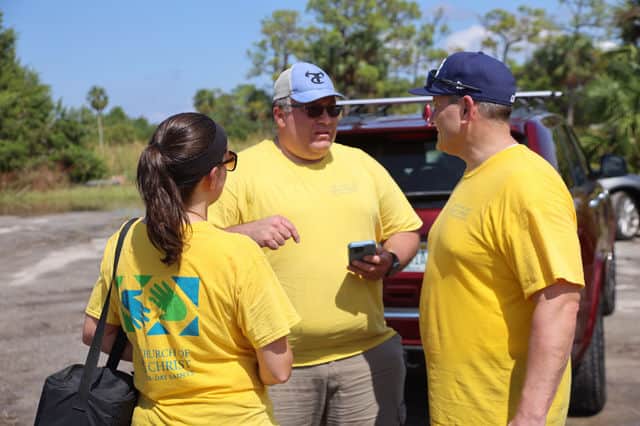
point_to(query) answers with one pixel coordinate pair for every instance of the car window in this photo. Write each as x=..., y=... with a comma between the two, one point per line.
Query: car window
x=581, y=159
x=560, y=139
x=414, y=164
x=578, y=173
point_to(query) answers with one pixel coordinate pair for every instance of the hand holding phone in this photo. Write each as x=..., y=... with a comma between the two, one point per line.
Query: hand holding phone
x=359, y=249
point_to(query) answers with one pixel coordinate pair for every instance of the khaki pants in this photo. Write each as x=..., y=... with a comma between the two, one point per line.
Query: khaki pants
x=366, y=389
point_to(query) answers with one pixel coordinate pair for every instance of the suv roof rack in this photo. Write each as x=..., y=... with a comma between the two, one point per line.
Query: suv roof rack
x=421, y=99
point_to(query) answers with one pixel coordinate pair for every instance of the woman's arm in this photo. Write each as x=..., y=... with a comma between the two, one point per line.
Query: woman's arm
x=274, y=361
x=109, y=337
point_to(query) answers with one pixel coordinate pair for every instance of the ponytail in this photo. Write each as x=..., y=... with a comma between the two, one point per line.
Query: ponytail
x=183, y=149
x=165, y=214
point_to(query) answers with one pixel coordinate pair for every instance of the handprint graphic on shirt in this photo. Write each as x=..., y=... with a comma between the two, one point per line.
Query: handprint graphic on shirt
x=168, y=301
x=136, y=309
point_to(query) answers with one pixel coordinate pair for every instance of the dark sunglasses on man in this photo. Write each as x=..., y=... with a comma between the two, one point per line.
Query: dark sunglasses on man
x=457, y=85
x=316, y=110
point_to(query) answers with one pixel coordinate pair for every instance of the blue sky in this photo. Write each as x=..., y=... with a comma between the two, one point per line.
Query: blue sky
x=152, y=56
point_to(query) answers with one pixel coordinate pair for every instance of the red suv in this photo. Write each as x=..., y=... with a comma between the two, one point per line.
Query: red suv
x=405, y=146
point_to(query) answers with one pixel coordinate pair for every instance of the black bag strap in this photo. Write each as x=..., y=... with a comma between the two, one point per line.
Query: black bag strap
x=91, y=364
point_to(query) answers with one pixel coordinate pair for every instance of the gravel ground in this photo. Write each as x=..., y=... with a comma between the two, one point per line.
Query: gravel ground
x=50, y=263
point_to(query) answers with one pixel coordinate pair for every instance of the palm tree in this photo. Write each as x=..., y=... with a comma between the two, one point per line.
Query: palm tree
x=615, y=95
x=204, y=101
x=98, y=99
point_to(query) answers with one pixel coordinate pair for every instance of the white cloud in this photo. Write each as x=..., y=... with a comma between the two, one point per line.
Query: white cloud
x=607, y=45
x=467, y=39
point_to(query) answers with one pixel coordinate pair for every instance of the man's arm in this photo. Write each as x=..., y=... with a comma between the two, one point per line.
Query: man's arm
x=272, y=231
x=274, y=362
x=403, y=244
x=108, y=338
x=552, y=332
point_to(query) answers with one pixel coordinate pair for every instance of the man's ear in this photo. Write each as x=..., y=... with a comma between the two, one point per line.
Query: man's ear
x=467, y=106
x=279, y=116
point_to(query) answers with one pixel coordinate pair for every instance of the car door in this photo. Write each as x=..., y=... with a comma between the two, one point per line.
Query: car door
x=588, y=198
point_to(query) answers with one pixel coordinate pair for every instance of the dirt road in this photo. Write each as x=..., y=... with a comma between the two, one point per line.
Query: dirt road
x=49, y=264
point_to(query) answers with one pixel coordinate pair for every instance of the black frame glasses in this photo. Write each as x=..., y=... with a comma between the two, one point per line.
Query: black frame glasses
x=233, y=161
x=316, y=110
x=457, y=85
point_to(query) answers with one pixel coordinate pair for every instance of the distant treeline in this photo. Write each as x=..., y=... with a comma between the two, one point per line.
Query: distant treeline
x=371, y=49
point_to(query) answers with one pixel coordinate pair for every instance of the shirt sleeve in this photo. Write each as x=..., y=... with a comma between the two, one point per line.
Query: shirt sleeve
x=541, y=234
x=396, y=213
x=265, y=313
x=102, y=285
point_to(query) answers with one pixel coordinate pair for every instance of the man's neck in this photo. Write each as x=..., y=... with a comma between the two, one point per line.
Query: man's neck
x=291, y=156
x=482, y=149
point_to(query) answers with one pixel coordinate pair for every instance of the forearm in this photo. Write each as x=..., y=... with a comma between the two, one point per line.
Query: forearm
x=272, y=231
x=552, y=333
x=242, y=228
x=404, y=245
x=108, y=338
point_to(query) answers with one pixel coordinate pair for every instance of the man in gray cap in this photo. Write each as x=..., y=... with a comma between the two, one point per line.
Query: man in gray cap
x=306, y=198
x=502, y=282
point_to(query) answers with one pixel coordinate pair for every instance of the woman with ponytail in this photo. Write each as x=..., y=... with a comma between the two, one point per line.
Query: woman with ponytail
x=205, y=317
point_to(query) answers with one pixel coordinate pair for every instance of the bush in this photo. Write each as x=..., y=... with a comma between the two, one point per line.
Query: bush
x=80, y=163
x=13, y=155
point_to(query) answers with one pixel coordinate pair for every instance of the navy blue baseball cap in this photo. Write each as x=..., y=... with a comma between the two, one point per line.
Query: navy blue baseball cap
x=480, y=76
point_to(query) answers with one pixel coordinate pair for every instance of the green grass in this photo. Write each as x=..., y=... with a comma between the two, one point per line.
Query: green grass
x=121, y=161
x=75, y=198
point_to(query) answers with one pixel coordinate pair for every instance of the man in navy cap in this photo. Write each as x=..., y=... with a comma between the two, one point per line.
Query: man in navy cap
x=502, y=283
x=306, y=198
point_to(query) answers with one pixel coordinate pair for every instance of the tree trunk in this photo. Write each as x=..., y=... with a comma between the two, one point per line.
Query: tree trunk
x=100, y=133
x=571, y=107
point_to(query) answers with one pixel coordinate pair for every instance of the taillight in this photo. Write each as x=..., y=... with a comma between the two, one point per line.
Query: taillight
x=426, y=112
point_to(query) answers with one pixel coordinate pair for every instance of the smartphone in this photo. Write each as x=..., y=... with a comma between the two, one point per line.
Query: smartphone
x=360, y=249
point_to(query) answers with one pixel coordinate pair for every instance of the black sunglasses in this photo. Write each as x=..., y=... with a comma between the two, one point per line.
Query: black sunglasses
x=230, y=163
x=457, y=85
x=316, y=110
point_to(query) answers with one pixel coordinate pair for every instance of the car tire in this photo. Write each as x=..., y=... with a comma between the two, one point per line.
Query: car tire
x=627, y=215
x=588, y=384
x=609, y=285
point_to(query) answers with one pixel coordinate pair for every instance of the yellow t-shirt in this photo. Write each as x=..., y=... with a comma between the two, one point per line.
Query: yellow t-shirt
x=345, y=197
x=508, y=230
x=195, y=327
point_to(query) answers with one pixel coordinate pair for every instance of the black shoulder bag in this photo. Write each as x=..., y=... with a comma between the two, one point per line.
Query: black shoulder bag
x=88, y=394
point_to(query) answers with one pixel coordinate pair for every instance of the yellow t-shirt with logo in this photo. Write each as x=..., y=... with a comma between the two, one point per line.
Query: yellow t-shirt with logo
x=345, y=197
x=508, y=230
x=195, y=327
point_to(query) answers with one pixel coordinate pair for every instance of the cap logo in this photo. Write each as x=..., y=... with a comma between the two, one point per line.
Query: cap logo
x=315, y=77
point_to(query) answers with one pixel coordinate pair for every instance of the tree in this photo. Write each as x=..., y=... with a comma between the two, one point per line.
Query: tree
x=627, y=20
x=509, y=31
x=204, y=101
x=354, y=41
x=282, y=40
x=587, y=16
x=98, y=99
x=25, y=109
x=424, y=52
x=566, y=63
x=589, y=20
x=244, y=111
